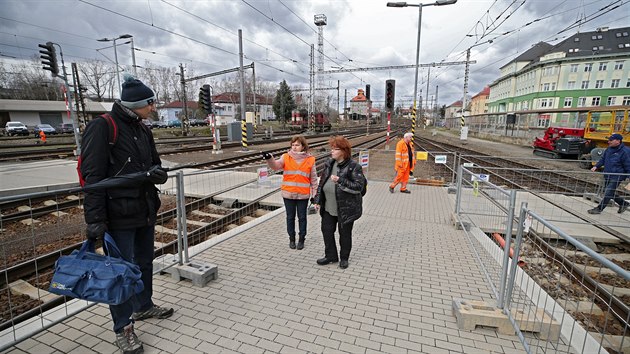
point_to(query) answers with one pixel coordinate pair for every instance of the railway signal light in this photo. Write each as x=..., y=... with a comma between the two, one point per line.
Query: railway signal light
x=49, y=58
x=205, y=98
x=390, y=87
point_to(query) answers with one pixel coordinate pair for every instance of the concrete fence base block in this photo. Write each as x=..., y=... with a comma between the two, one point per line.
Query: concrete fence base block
x=472, y=313
x=200, y=273
x=463, y=225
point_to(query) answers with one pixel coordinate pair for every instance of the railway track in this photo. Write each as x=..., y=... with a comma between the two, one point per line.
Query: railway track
x=207, y=217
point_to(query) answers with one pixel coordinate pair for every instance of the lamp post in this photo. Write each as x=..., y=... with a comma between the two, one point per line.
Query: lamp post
x=419, y=6
x=122, y=36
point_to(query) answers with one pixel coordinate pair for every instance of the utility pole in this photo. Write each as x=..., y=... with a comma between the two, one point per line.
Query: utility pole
x=243, y=103
x=182, y=80
x=464, y=131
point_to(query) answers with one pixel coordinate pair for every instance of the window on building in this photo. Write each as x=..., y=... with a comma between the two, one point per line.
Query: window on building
x=603, y=66
x=573, y=68
x=570, y=85
x=599, y=83
x=581, y=102
x=595, y=101
x=543, y=121
x=553, y=86
x=584, y=84
x=588, y=67
x=568, y=101
x=614, y=83
x=626, y=100
x=628, y=83
x=611, y=101
x=545, y=87
x=618, y=65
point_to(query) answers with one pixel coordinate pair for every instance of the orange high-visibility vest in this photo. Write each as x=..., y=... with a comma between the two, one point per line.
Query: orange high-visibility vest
x=296, y=178
x=402, y=156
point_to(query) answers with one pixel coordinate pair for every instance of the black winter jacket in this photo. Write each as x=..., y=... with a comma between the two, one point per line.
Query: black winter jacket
x=347, y=190
x=134, y=151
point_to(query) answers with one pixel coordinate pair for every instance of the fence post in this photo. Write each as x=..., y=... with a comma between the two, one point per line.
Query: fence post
x=455, y=156
x=506, y=249
x=182, y=232
x=517, y=249
x=458, y=194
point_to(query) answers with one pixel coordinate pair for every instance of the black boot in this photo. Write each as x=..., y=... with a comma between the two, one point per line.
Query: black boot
x=300, y=244
x=292, y=243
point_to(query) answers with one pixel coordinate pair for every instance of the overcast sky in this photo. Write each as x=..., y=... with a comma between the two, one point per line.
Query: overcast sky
x=278, y=33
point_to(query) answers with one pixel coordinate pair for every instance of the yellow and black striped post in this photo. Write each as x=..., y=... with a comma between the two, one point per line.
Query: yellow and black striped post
x=463, y=122
x=244, y=135
x=413, y=121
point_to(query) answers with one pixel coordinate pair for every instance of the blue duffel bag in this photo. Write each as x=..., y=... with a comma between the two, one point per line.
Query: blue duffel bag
x=86, y=275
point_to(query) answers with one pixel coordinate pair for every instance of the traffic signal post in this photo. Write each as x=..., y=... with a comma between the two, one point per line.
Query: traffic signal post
x=390, y=94
x=49, y=60
x=205, y=98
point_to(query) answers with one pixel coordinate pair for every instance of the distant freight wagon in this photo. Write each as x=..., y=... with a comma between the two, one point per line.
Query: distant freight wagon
x=301, y=122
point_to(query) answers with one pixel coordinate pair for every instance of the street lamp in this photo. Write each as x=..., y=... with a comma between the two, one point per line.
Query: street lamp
x=419, y=6
x=122, y=36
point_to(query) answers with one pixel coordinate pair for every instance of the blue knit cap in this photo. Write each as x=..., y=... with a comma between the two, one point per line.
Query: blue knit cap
x=135, y=94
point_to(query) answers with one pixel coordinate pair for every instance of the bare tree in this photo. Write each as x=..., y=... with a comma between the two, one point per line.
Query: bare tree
x=98, y=77
x=27, y=81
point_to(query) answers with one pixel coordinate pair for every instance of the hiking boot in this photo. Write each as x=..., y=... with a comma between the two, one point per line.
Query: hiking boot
x=300, y=245
x=594, y=211
x=622, y=208
x=391, y=190
x=128, y=342
x=292, y=245
x=153, y=312
x=406, y=191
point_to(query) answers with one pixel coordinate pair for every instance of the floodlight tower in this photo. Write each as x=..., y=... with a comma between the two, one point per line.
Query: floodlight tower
x=320, y=22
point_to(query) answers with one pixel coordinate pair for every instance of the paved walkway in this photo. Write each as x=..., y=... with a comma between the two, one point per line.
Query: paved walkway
x=407, y=264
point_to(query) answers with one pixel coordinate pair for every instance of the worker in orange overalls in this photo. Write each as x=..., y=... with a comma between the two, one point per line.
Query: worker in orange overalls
x=42, y=137
x=405, y=163
x=299, y=184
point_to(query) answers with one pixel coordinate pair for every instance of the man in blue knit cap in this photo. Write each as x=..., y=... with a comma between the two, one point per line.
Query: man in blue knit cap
x=616, y=161
x=127, y=213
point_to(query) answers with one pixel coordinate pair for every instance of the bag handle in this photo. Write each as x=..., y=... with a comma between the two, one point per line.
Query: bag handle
x=110, y=246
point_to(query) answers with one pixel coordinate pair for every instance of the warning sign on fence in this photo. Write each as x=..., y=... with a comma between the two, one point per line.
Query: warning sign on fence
x=364, y=158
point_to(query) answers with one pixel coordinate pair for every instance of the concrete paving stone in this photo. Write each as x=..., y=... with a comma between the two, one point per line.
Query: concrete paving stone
x=187, y=321
x=227, y=343
x=319, y=331
x=65, y=345
x=188, y=341
x=298, y=327
x=264, y=334
x=313, y=322
x=87, y=340
x=188, y=350
x=352, y=348
x=269, y=345
x=371, y=328
x=311, y=347
x=243, y=328
x=290, y=350
x=410, y=329
x=343, y=337
x=449, y=346
x=382, y=339
x=104, y=347
x=48, y=338
x=246, y=348
x=348, y=322
x=396, y=334
x=287, y=341
x=359, y=333
x=327, y=342
x=368, y=344
x=225, y=332
x=385, y=348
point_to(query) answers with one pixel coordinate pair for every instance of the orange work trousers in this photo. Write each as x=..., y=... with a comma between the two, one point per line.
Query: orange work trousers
x=402, y=177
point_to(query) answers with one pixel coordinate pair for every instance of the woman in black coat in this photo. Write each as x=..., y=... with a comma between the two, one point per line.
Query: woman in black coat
x=339, y=200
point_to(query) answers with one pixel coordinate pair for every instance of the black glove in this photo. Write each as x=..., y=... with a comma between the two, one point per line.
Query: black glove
x=157, y=175
x=410, y=173
x=312, y=200
x=95, y=231
x=266, y=155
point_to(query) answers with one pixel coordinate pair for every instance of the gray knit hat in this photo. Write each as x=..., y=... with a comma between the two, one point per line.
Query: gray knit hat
x=135, y=94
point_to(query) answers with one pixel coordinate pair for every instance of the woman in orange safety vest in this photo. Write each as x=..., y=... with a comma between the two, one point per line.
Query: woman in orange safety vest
x=42, y=137
x=405, y=162
x=299, y=184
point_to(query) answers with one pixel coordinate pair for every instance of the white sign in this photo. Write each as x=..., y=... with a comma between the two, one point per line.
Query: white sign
x=469, y=164
x=480, y=177
x=364, y=158
x=463, y=134
x=262, y=174
x=440, y=159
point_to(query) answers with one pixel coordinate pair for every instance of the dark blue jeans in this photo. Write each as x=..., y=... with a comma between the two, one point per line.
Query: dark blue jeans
x=329, y=225
x=136, y=245
x=610, y=193
x=291, y=206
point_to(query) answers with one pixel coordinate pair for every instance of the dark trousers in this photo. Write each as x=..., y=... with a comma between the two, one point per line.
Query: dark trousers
x=135, y=245
x=291, y=206
x=329, y=224
x=610, y=193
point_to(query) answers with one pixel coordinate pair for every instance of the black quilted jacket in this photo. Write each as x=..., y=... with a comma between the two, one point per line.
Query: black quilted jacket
x=347, y=190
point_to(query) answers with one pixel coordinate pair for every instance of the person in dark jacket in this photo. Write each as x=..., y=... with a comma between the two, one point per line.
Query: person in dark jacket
x=128, y=213
x=339, y=201
x=616, y=161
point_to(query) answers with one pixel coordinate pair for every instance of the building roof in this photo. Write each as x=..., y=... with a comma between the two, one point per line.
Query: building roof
x=50, y=106
x=180, y=104
x=484, y=92
x=360, y=97
x=532, y=54
x=600, y=41
x=455, y=104
x=235, y=98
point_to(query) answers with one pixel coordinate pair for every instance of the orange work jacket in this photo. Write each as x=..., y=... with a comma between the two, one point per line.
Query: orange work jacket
x=296, y=178
x=402, y=156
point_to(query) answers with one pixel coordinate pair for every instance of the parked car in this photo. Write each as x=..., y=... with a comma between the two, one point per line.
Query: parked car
x=159, y=124
x=15, y=128
x=198, y=123
x=175, y=123
x=46, y=128
x=148, y=123
x=64, y=128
